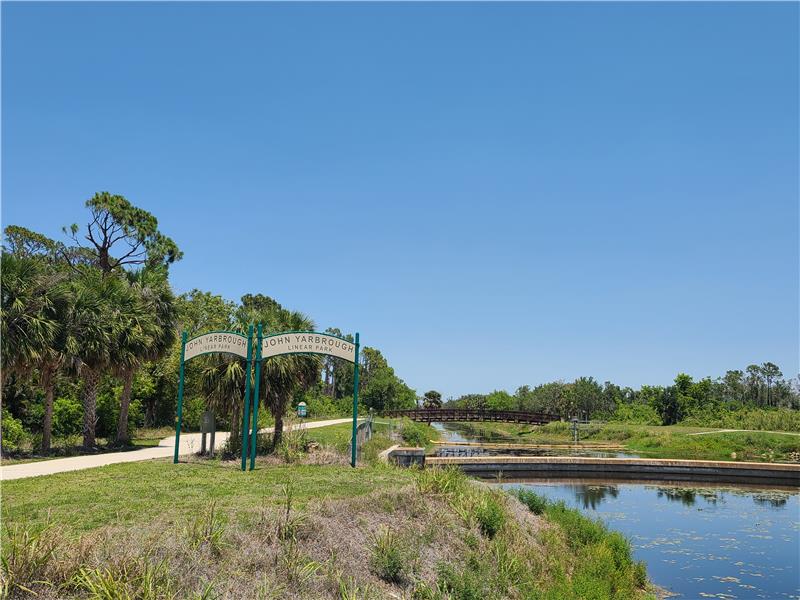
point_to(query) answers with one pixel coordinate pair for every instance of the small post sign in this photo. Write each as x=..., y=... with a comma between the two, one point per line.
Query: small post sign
x=302, y=410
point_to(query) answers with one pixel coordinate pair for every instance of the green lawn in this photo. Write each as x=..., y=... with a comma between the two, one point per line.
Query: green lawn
x=658, y=442
x=131, y=493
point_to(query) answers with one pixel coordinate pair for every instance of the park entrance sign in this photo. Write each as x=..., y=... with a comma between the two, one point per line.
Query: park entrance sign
x=220, y=341
x=308, y=341
x=287, y=342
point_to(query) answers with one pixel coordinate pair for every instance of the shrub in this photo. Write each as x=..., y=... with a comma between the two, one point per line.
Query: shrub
x=14, y=434
x=469, y=584
x=638, y=413
x=67, y=416
x=414, y=434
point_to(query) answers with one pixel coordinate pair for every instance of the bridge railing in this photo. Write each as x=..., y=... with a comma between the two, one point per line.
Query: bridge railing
x=474, y=414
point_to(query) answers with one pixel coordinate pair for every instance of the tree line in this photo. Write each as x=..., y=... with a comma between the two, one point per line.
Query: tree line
x=702, y=401
x=91, y=344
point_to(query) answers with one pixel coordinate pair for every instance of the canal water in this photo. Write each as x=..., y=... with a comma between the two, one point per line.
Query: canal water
x=698, y=540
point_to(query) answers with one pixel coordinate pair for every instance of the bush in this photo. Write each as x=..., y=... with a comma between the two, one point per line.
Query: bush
x=764, y=419
x=449, y=481
x=193, y=409
x=67, y=416
x=466, y=585
x=14, y=434
x=415, y=434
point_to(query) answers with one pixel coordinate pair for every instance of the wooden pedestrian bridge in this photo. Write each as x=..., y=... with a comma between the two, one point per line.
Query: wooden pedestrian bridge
x=443, y=415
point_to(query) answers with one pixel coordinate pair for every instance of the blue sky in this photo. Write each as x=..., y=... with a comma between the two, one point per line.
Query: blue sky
x=492, y=194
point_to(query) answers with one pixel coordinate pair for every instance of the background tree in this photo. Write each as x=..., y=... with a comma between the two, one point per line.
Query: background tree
x=432, y=399
x=117, y=224
x=754, y=382
x=770, y=372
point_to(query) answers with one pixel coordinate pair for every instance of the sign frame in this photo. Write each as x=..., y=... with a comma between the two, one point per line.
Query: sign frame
x=251, y=400
x=260, y=358
x=245, y=417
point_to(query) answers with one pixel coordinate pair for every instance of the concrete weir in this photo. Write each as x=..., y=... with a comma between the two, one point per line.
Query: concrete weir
x=634, y=468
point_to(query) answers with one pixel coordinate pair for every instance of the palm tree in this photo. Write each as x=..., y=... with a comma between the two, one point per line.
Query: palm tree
x=28, y=320
x=282, y=376
x=223, y=384
x=148, y=335
x=100, y=308
x=34, y=305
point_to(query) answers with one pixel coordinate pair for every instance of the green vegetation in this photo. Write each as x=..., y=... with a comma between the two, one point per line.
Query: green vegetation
x=206, y=530
x=91, y=347
x=417, y=434
x=606, y=568
x=655, y=441
x=391, y=556
x=759, y=399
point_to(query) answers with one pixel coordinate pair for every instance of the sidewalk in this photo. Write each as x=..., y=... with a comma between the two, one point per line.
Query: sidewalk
x=190, y=443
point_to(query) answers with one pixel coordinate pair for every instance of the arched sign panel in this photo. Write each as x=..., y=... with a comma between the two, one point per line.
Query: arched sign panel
x=308, y=342
x=217, y=341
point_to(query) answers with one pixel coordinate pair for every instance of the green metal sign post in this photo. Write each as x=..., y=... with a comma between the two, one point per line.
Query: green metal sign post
x=254, y=435
x=180, y=400
x=246, y=412
x=354, y=449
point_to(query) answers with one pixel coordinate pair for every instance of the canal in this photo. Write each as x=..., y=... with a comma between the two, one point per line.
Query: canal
x=698, y=540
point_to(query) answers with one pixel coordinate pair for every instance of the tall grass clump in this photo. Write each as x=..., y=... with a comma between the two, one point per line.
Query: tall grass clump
x=390, y=556
x=490, y=513
x=27, y=554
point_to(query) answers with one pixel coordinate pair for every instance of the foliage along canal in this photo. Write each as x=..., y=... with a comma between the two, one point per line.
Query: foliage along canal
x=698, y=540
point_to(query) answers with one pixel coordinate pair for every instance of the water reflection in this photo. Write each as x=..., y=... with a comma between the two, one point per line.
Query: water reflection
x=699, y=541
x=590, y=496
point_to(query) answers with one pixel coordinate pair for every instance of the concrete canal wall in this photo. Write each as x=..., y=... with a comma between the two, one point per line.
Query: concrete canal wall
x=640, y=468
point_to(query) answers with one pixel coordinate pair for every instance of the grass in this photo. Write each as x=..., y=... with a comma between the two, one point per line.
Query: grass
x=129, y=494
x=157, y=530
x=652, y=441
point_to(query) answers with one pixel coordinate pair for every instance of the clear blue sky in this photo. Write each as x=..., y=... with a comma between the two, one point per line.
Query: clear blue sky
x=492, y=194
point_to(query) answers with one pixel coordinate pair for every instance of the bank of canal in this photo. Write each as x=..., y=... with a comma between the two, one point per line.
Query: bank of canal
x=699, y=540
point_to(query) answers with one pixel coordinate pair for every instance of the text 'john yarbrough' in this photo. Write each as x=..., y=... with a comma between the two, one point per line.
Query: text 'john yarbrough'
x=308, y=342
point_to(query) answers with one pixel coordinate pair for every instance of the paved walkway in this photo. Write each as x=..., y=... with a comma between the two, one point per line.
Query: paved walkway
x=190, y=443
x=743, y=430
